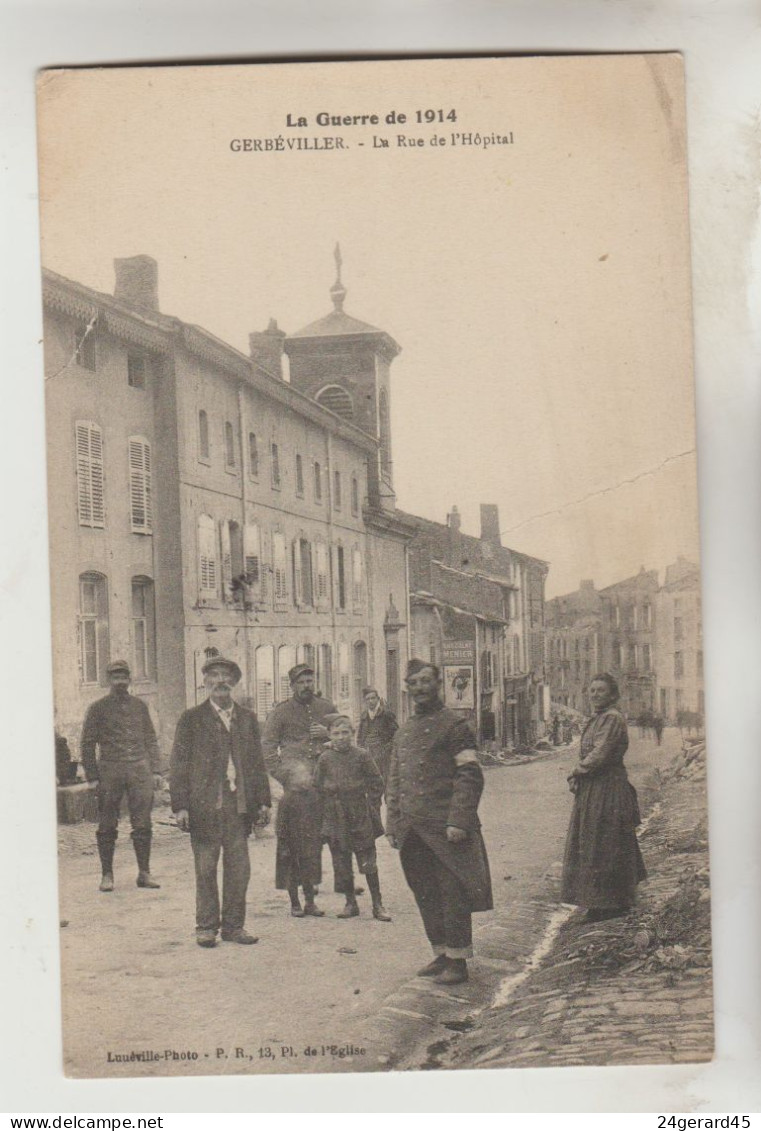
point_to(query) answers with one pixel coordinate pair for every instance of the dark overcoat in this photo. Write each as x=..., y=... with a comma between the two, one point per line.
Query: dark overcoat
x=435, y=780
x=199, y=765
x=377, y=736
x=351, y=788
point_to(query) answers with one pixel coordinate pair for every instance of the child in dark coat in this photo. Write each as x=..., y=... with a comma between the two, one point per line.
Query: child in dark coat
x=351, y=788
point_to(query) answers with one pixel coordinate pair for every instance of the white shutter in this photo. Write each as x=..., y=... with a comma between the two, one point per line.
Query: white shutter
x=207, y=556
x=252, y=553
x=227, y=560
x=141, y=509
x=90, y=493
x=298, y=595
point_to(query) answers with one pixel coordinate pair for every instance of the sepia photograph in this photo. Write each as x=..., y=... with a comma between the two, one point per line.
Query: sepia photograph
x=377, y=629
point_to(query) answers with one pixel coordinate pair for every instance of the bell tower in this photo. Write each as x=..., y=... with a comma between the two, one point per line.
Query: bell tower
x=345, y=365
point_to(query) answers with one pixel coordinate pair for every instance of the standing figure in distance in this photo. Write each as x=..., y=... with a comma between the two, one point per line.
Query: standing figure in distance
x=377, y=728
x=294, y=737
x=219, y=791
x=603, y=863
x=351, y=789
x=434, y=788
x=128, y=761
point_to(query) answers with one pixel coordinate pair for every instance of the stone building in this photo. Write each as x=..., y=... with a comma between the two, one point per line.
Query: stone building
x=679, y=644
x=628, y=639
x=477, y=610
x=200, y=502
x=574, y=644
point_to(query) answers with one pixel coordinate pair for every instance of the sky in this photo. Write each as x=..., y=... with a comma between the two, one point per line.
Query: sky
x=539, y=289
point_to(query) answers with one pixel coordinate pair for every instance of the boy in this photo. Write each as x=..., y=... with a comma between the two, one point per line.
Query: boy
x=351, y=788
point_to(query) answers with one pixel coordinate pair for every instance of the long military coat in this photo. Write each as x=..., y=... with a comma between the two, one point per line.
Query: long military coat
x=435, y=780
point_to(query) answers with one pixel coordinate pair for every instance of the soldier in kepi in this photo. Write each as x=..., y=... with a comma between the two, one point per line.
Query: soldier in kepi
x=127, y=762
x=294, y=738
x=434, y=787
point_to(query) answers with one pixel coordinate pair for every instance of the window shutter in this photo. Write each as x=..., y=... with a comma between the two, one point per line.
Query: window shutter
x=298, y=595
x=227, y=561
x=90, y=493
x=141, y=509
x=252, y=553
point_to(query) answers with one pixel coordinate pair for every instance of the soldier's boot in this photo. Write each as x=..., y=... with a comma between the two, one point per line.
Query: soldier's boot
x=310, y=907
x=297, y=910
x=351, y=907
x=454, y=973
x=106, y=845
x=142, y=844
x=379, y=911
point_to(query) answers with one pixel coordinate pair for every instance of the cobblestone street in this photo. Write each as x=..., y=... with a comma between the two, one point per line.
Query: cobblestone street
x=539, y=991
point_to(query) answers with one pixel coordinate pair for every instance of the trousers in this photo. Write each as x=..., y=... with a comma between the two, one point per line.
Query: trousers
x=229, y=839
x=441, y=898
x=343, y=874
x=135, y=779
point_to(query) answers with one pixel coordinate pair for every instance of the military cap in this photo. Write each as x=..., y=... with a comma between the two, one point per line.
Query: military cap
x=118, y=666
x=328, y=720
x=298, y=670
x=414, y=666
x=369, y=691
x=222, y=662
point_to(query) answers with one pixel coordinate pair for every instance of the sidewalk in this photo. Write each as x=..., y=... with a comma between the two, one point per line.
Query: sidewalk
x=631, y=991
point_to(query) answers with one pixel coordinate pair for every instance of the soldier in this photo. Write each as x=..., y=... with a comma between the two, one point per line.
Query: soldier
x=432, y=799
x=377, y=728
x=128, y=762
x=294, y=737
x=219, y=792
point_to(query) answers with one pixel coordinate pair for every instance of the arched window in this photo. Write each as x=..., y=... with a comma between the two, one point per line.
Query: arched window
x=336, y=398
x=93, y=628
x=265, y=680
x=208, y=568
x=286, y=658
x=143, y=629
x=203, y=435
x=384, y=432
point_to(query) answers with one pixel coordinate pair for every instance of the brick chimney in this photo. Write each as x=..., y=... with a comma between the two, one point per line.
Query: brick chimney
x=266, y=348
x=137, y=281
x=453, y=519
x=490, y=524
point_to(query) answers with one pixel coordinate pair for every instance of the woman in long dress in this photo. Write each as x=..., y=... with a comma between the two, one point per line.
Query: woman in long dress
x=603, y=863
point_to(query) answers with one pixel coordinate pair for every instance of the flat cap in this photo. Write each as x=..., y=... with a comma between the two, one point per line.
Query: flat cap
x=223, y=662
x=117, y=666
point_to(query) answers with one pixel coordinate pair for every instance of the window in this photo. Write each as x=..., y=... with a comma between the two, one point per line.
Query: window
x=286, y=658
x=136, y=370
x=299, y=475
x=141, y=506
x=618, y=652
x=354, y=495
x=337, y=490
x=93, y=628
x=302, y=572
x=647, y=613
x=317, y=482
x=337, y=400
x=487, y=669
x=646, y=660
x=253, y=456
x=207, y=557
x=265, y=680
x=340, y=578
x=678, y=630
x=678, y=665
x=635, y=618
x=616, y=615
x=143, y=629
x=321, y=583
x=679, y=695
x=356, y=577
x=203, y=435
x=325, y=671
x=229, y=445
x=305, y=654
x=252, y=559
x=275, y=466
x=634, y=656
x=90, y=492
x=231, y=539
x=344, y=682
x=84, y=345
x=516, y=654
x=279, y=569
